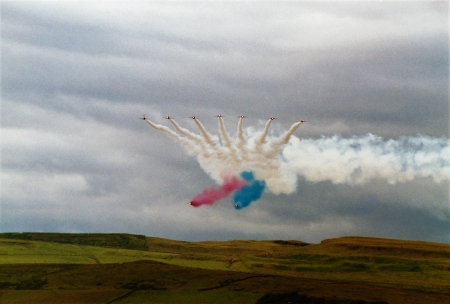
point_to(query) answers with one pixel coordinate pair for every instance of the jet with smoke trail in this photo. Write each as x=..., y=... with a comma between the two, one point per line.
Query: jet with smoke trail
x=250, y=192
x=252, y=162
x=209, y=196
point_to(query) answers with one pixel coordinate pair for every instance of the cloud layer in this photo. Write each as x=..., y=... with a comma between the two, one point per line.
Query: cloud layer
x=76, y=77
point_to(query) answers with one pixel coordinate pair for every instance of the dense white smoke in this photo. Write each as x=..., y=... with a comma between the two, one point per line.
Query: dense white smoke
x=356, y=160
x=279, y=161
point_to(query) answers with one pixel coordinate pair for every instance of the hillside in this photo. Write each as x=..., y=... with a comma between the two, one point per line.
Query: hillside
x=125, y=268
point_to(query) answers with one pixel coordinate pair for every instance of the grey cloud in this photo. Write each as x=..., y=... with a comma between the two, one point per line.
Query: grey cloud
x=76, y=78
x=345, y=76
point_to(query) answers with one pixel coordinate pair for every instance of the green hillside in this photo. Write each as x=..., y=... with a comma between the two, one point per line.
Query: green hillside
x=125, y=268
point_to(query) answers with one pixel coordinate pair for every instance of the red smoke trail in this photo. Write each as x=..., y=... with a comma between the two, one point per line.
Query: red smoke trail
x=210, y=196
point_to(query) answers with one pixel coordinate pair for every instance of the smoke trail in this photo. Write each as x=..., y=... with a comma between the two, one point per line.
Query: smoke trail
x=185, y=142
x=357, y=160
x=186, y=133
x=224, y=134
x=249, y=193
x=262, y=139
x=240, y=133
x=210, y=196
x=275, y=163
x=207, y=137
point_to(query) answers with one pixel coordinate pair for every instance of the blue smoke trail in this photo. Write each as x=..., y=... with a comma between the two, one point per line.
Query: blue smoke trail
x=250, y=192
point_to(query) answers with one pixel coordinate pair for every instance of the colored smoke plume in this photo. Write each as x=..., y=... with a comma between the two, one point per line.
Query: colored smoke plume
x=210, y=196
x=249, y=193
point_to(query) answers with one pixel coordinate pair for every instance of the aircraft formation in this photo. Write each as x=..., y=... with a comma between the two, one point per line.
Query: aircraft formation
x=253, y=160
x=233, y=162
x=218, y=116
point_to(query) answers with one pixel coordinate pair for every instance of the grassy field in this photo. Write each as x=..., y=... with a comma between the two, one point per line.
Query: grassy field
x=124, y=268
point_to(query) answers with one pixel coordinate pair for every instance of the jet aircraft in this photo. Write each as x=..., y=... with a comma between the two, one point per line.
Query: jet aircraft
x=219, y=115
x=241, y=116
x=303, y=120
x=193, y=117
x=272, y=118
x=143, y=117
x=168, y=117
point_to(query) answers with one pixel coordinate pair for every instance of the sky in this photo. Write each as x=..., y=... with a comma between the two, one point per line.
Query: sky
x=76, y=76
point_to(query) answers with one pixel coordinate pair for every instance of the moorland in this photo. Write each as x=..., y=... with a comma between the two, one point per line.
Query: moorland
x=126, y=268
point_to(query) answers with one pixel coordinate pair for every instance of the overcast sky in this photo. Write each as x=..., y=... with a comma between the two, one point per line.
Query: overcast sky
x=76, y=76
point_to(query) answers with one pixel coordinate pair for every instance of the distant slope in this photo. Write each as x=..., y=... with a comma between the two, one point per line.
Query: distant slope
x=349, y=245
x=378, y=246
x=113, y=240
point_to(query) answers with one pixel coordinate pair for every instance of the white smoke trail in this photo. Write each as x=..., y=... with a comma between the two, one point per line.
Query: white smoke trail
x=241, y=141
x=184, y=141
x=224, y=134
x=357, y=160
x=227, y=142
x=262, y=139
x=206, y=136
x=186, y=133
x=240, y=133
x=279, y=161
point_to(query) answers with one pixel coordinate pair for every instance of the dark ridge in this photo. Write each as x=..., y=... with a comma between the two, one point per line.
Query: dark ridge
x=389, y=246
x=110, y=240
x=295, y=298
x=291, y=243
x=33, y=283
x=228, y=282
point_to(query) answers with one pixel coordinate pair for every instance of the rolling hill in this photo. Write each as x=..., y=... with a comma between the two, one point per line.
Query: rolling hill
x=126, y=268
